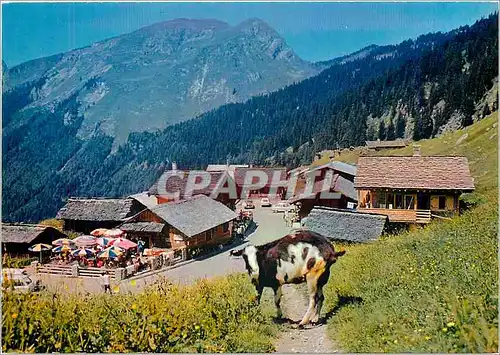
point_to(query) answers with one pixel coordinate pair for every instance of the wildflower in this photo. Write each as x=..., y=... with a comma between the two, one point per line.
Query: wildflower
x=395, y=341
x=196, y=327
x=445, y=330
x=390, y=323
x=133, y=282
x=116, y=289
x=134, y=307
x=450, y=324
x=14, y=315
x=420, y=330
x=436, y=287
x=427, y=338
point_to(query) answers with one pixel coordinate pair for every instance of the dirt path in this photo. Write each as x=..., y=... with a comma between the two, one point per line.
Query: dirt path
x=311, y=339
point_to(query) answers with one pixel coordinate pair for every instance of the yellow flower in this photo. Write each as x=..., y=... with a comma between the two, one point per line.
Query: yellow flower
x=116, y=289
x=390, y=323
x=450, y=324
x=427, y=338
x=445, y=330
x=14, y=315
x=133, y=282
x=395, y=341
x=196, y=327
x=134, y=306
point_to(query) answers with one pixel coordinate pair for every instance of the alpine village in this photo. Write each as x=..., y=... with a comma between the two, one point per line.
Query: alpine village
x=390, y=153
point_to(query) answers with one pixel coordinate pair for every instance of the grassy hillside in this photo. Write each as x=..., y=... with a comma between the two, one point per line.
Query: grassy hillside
x=434, y=289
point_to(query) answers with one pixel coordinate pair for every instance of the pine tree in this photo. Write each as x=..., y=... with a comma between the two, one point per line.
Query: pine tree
x=382, y=135
x=390, y=135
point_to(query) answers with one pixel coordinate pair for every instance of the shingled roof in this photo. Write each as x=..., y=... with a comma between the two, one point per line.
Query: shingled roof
x=398, y=143
x=195, y=215
x=98, y=209
x=148, y=227
x=414, y=172
x=26, y=233
x=345, y=225
x=176, y=184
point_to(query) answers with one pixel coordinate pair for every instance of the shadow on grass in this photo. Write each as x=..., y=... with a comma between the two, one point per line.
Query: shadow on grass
x=343, y=301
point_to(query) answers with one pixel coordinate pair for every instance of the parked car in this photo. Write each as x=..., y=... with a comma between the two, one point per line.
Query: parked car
x=264, y=202
x=248, y=204
x=282, y=207
x=20, y=279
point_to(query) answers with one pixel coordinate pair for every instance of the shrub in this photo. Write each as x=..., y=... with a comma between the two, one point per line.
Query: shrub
x=210, y=316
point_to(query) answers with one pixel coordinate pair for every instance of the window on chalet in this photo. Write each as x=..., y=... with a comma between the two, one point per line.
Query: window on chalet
x=442, y=202
x=209, y=235
x=409, y=202
x=398, y=201
x=225, y=227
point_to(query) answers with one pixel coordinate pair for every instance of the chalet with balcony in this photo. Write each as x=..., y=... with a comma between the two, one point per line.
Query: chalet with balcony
x=182, y=225
x=412, y=189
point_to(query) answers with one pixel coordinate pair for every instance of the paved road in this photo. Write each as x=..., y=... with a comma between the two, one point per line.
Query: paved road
x=269, y=226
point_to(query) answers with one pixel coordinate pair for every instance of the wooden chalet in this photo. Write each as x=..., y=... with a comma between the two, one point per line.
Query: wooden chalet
x=411, y=189
x=347, y=171
x=241, y=173
x=380, y=145
x=229, y=168
x=176, y=184
x=192, y=223
x=83, y=215
x=17, y=238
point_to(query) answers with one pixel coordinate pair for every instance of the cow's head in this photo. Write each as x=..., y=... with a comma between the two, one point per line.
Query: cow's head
x=250, y=255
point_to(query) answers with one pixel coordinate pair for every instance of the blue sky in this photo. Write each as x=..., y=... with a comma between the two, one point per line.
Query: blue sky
x=316, y=31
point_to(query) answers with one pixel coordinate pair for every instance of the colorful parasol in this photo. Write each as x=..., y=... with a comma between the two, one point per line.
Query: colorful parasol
x=85, y=241
x=63, y=241
x=113, y=233
x=83, y=252
x=123, y=243
x=63, y=249
x=39, y=248
x=110, y=253
x=98, y=232
x=104, y=241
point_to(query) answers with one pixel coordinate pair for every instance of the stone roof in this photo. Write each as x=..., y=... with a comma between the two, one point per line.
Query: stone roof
x=146, y=199
x=148, y=227
x=26, y=233
x=195, y=215
x=414, y=172
x=98, y=209
x=345, y=225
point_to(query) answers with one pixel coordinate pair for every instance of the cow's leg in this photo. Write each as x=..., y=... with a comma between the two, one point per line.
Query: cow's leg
x=312, y=287
x=323, y=279
x=259, y=293
x=277, y=300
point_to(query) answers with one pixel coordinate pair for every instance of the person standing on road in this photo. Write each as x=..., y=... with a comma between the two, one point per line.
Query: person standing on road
x=105, y=282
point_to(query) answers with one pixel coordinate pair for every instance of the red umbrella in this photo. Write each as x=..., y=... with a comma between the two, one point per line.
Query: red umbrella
x=123, y=243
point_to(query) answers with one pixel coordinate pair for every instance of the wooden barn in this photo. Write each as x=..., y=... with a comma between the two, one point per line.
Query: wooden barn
x=196, y=222
x=83, y=215
x=381, y=145
x=412, y=189
x=17, y=238
x=174, y=184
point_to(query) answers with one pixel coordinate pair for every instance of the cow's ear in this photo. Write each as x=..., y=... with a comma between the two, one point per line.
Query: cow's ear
x=236, y=252
x=339, y=253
